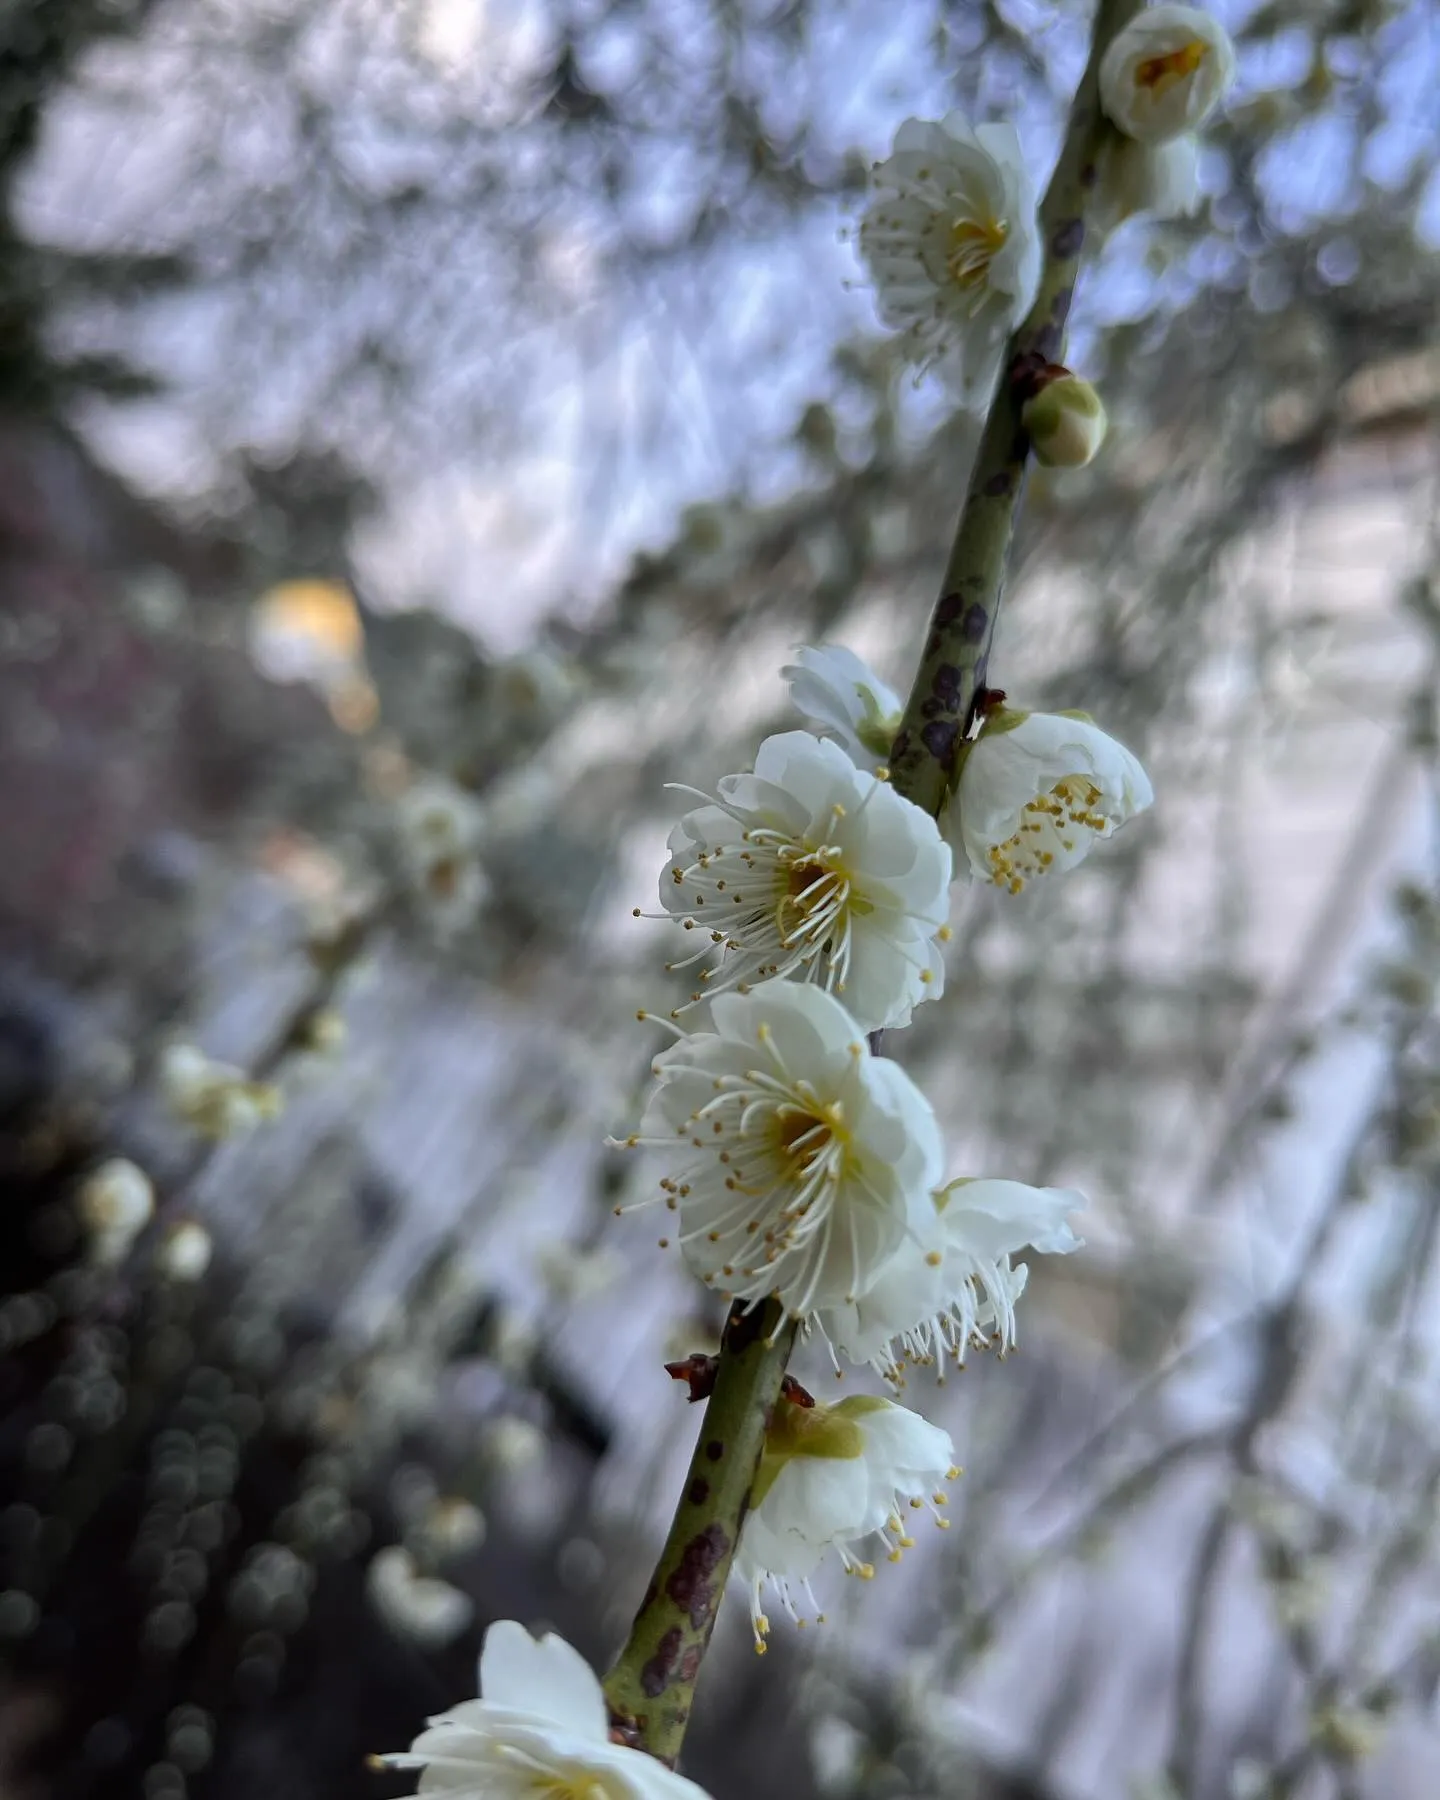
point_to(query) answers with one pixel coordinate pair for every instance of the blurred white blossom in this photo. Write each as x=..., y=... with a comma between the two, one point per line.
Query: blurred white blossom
x=1166, y=72
x=185, y=1251
x=422, y=1608
x=215, y=1099
x=441, y=830
x=116, y=1201
x=453, y=1526
x=537, y=683
x=515, y=1443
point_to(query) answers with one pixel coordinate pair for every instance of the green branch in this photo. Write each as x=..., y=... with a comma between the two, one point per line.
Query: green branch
x=651, y=1687
x=941, y=707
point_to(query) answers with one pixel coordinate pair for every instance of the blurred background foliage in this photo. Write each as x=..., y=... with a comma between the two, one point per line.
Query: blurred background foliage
x=424, y=427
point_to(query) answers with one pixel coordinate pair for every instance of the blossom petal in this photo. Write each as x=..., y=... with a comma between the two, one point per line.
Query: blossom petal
x=546, y=1677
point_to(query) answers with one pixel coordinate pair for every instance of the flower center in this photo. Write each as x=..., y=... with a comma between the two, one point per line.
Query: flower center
x=1053, y=824
x=1161, y=73
x=811, y=1143
x=974, y=244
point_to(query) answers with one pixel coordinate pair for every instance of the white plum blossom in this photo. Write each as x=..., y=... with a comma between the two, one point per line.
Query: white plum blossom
x=951, y=1286
x=214, y=1098
x=952, y=242
x=1036, y=792
x=539, y=1731
x=845, y=701
x=799, y=1155
x=116, y=1203
x=420, y=1607
x=814, y=868
x=830, y=1478
x=1166, y=72
x=1160, y=179
x=452, y=1526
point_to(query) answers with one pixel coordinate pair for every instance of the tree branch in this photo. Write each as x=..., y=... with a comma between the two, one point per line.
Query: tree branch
x=651, y=1687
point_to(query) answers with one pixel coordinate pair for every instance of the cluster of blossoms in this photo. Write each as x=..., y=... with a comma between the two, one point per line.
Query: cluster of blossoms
x=115, y=1202
x=803, y=1166
x=951, y=234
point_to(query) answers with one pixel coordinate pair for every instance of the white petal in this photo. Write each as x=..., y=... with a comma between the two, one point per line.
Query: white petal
x=547, y=1678
x=991, y=1218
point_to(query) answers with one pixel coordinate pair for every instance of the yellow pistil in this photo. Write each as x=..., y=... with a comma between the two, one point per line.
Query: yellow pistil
x=1161, y=73
x=974, y=243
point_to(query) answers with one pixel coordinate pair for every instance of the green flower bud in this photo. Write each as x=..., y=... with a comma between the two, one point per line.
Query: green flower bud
x=1066, y=422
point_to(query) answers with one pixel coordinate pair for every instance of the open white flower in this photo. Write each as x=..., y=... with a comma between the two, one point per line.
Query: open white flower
x=800, y=1155
x=1166, y=72
x=815, y=868
x=952, y=242
x=845, y=701
x=1160, y=179
x=951, y=1286
x=830, y=1478
x=539, y=1731
x=1037, y=791
x=441, y=831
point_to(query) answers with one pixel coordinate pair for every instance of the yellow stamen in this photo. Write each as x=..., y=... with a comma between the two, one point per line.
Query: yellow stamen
x=1161, y=73
x=974, y=243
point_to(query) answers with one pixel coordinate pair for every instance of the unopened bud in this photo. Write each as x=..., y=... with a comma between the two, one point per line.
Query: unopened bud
x=1066, y=422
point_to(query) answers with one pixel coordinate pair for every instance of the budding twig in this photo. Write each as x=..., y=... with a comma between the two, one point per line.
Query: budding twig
x=942, y=703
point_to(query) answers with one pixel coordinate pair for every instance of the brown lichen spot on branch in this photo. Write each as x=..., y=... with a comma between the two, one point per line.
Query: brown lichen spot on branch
x=692, y=1585
x=662, y=1667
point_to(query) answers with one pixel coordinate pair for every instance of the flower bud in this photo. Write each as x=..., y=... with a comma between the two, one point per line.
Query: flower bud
x=1166, y=72
x=1066, y=422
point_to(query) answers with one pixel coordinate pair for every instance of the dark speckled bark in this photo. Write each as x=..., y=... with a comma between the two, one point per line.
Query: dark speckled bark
x=651, y=1688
